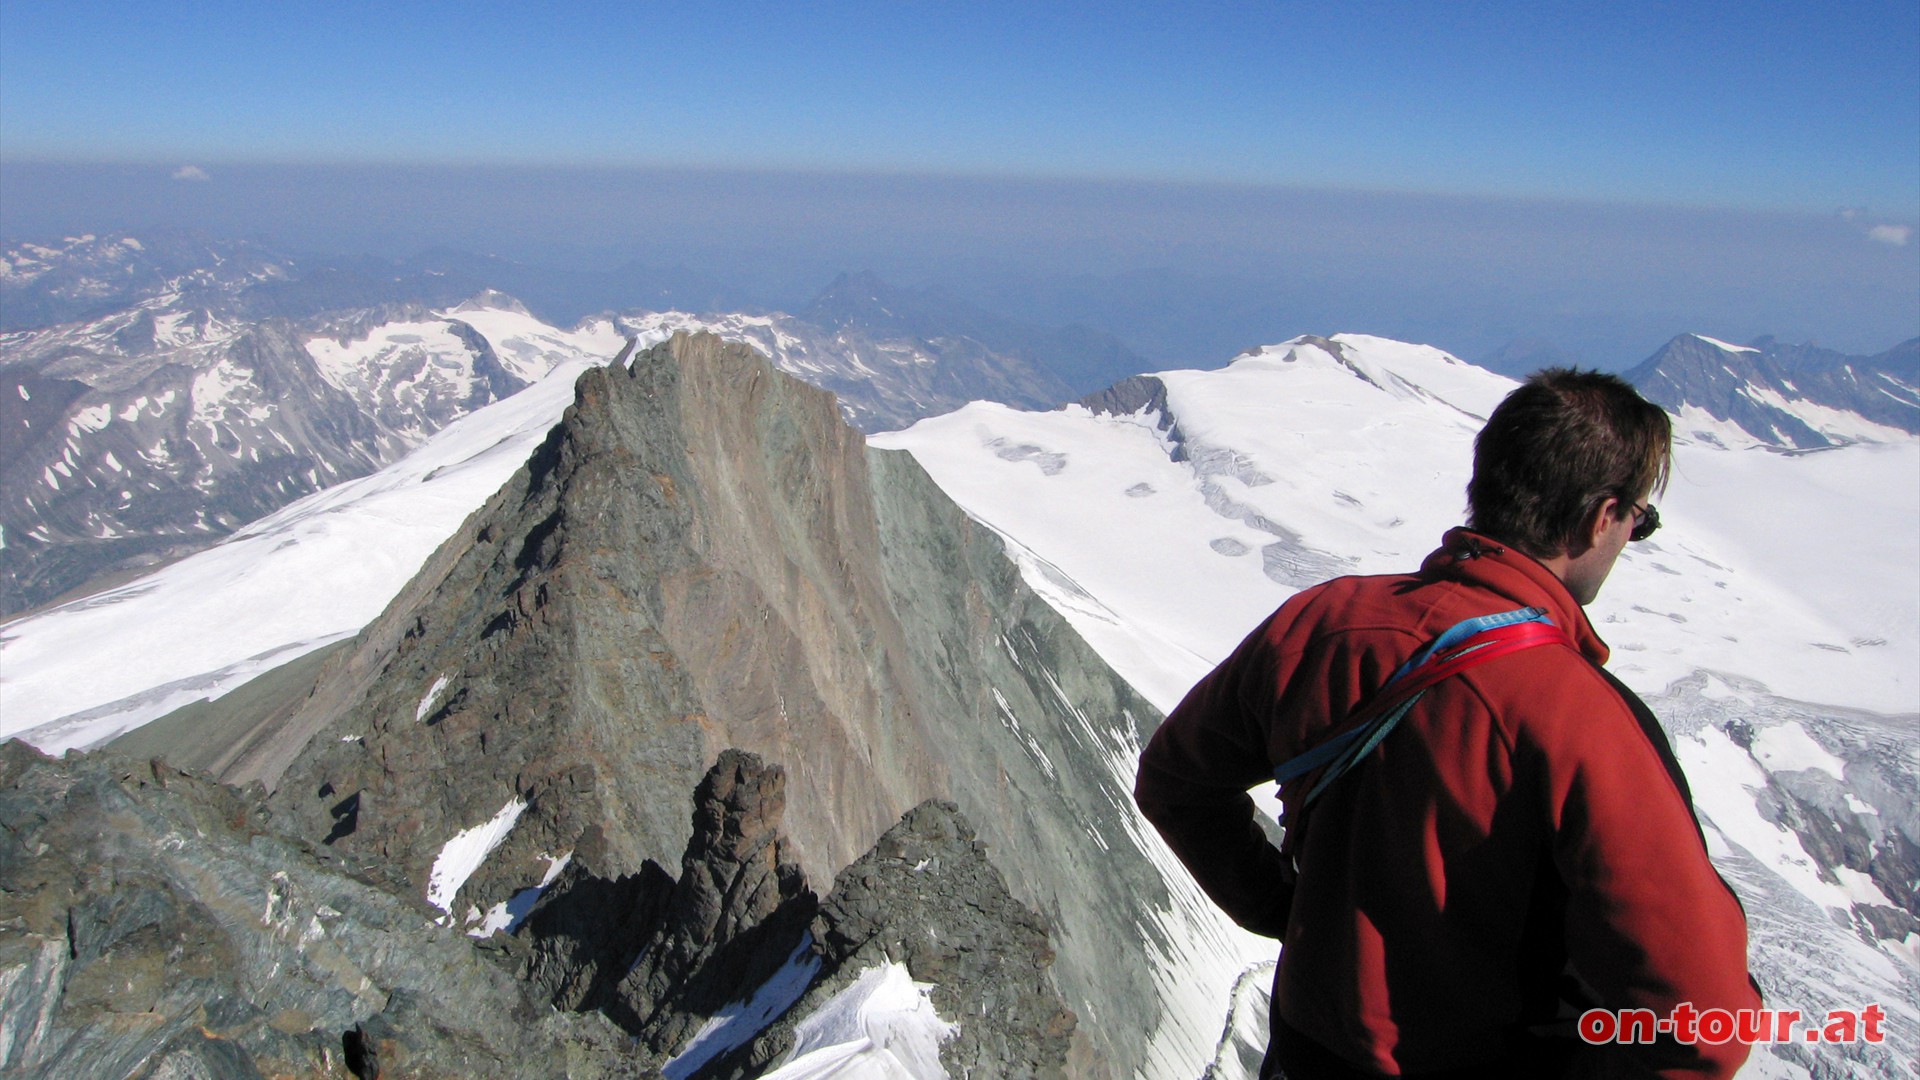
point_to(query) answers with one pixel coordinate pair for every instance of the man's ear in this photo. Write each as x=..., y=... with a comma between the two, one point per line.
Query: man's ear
x=1602, y=518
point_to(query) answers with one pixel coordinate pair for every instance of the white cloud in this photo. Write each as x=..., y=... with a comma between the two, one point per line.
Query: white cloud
x=190, y=172
x=1897, y=235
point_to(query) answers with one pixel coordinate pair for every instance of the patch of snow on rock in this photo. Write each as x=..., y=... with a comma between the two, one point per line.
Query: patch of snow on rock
x=882, y=1027
x=463, y=854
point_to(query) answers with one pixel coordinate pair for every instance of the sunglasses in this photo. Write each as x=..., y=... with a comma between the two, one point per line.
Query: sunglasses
x=1645, y=520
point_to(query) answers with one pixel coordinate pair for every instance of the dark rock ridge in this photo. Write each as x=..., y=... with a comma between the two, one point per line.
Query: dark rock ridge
x=928, y=897
x=1763, y=388
x=703, y=556
x=1138, y=393
x=741, y=924
x=156, y=926
x=740, y=908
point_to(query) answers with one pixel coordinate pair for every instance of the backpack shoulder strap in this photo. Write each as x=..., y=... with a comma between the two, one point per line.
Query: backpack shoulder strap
x=1466, y=644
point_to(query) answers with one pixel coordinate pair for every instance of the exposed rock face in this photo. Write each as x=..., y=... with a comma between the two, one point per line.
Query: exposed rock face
x=585, y=931
x=704, y=556
x=1045, y=739
x=686, y=565
x=928, y=897
x=1786, y=396
x=740, y=924
x=738, y=911
x=1139, y=393
x=156, y=927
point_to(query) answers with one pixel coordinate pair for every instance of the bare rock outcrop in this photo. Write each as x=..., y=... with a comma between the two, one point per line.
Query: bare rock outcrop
x=739, y=910
x=152, y=924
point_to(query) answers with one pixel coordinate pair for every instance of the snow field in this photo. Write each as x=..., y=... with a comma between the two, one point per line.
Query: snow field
x=430, y=345
x=733, y=1026
x=1749, y=575
x=530, y=348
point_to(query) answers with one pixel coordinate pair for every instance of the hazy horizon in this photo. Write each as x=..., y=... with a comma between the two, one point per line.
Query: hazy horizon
x=1180, y=271
x=1197, y=181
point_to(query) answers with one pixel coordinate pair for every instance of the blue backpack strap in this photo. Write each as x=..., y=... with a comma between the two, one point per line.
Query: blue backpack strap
x=1465, y=629
x=1345, y=749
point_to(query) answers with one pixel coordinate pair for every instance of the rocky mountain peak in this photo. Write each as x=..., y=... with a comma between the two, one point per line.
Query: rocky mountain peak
x=704, y=556
x=862, y=298
x=490, y=300
x=1785, y=396
x=157, y=925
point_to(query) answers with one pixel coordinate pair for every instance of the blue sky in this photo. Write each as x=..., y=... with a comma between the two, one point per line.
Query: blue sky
x=1195, y=177
x=1755, y=105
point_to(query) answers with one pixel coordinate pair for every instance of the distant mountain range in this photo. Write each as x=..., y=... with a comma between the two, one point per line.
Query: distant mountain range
x=1790, y=396
x=148, y=433
x=159, y=394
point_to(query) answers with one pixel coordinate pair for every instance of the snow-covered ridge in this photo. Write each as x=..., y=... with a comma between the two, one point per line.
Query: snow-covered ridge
x=1724, y=347
x=883, y=1026
x=1360, y=461
x=1785, y=397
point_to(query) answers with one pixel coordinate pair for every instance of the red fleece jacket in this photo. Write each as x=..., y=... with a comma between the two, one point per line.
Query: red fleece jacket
x=1520, y=821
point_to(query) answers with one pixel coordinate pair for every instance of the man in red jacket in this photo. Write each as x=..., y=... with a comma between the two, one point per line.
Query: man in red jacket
x=1522, y=844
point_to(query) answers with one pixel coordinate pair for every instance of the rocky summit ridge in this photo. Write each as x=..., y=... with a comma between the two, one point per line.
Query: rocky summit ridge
x=703, y=568
x=191, y=938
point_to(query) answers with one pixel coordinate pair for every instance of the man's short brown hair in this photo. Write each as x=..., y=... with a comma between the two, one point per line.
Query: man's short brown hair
x=1555, y=450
